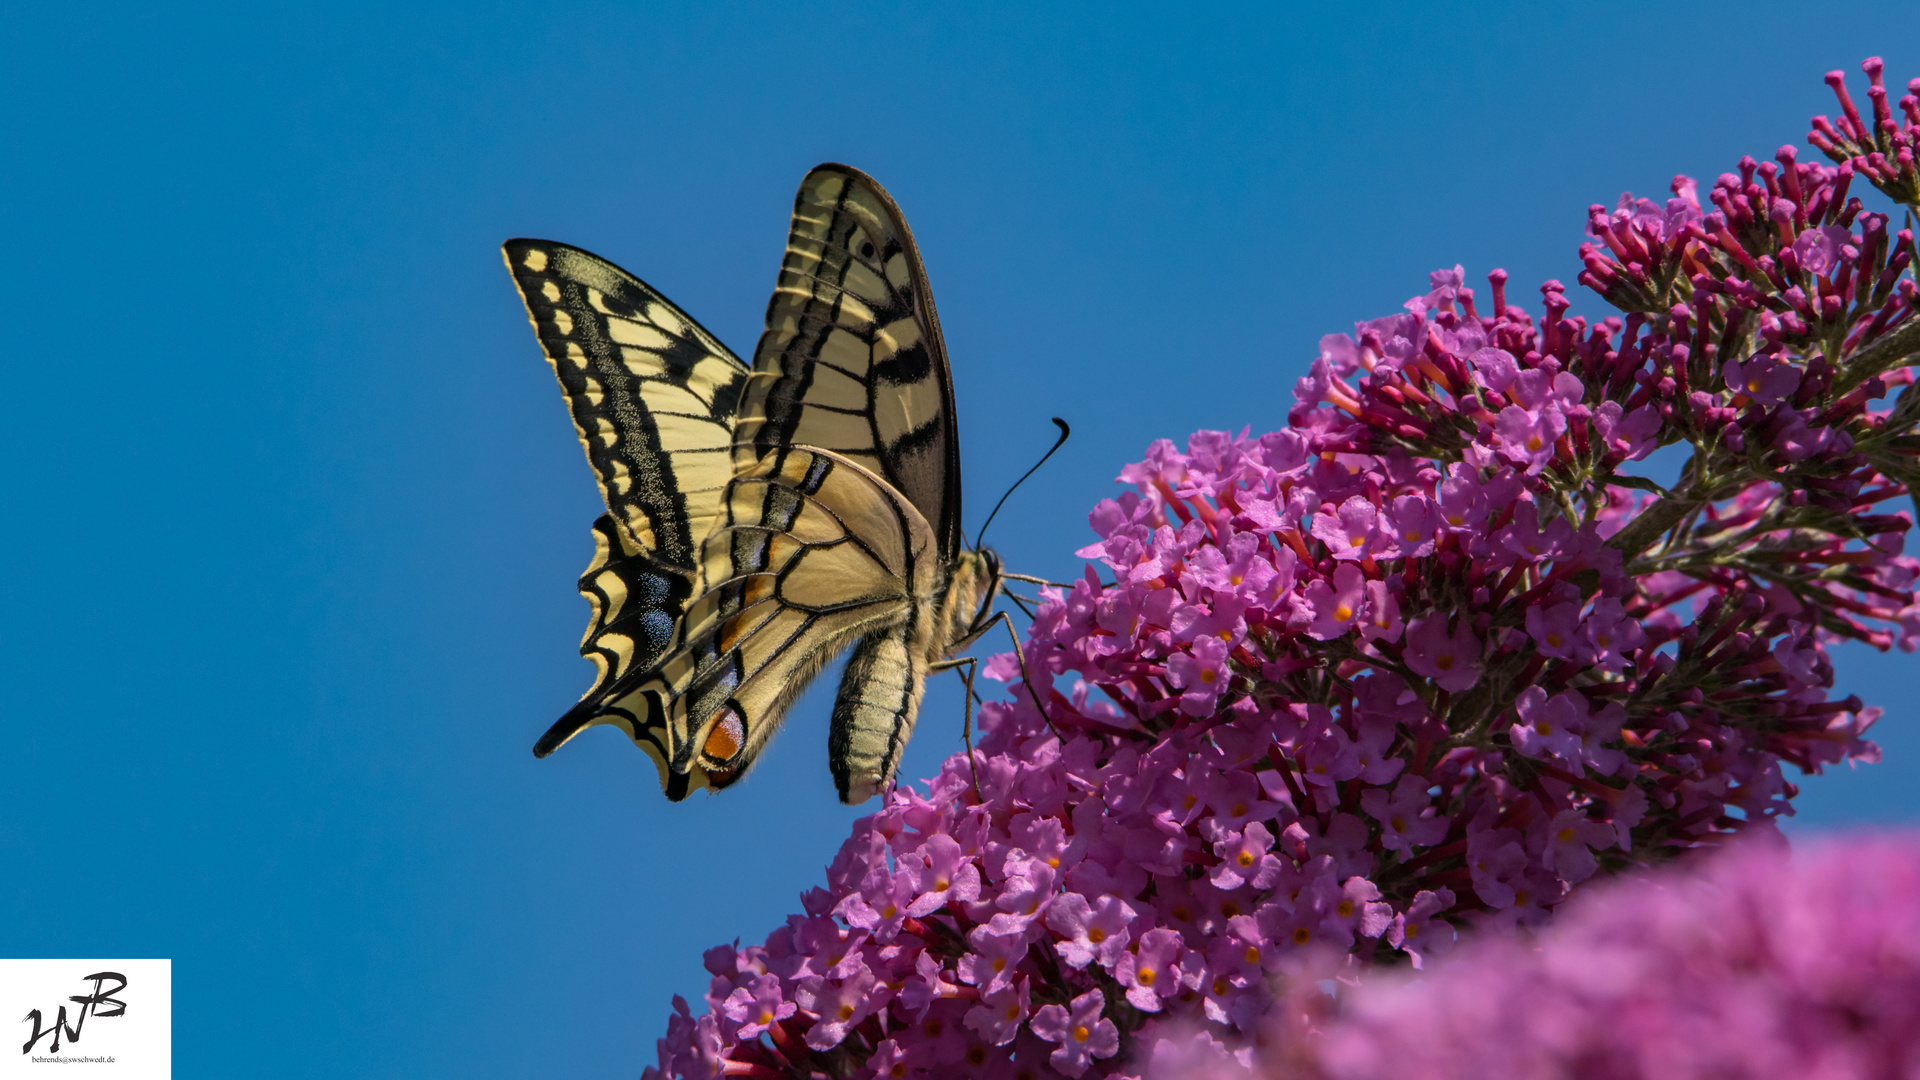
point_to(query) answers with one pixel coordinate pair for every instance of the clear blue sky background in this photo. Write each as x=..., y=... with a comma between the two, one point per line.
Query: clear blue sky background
x=292, y=509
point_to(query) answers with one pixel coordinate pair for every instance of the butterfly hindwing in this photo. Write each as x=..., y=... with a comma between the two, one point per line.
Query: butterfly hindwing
x=653, y=395
x=636, y=601
x=813, y=553
x=852, y=360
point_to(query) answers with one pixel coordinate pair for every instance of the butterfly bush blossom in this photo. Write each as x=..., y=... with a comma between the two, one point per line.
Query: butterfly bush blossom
x=1419, y=664
x=1749, y=966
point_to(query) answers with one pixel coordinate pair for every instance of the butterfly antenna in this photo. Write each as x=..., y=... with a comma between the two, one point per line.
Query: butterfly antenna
x=1057, y=444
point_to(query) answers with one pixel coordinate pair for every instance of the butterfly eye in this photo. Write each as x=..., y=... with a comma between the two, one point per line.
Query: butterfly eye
x=866, y=249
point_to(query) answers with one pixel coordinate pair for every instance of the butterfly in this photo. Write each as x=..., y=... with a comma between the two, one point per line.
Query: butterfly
x=763, y=519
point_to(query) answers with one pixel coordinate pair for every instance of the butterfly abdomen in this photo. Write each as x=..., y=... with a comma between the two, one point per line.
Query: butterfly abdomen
x=879, y=701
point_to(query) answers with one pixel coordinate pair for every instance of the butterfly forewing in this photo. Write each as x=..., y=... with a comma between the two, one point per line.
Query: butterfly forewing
x=653, y=395
x=852, y=359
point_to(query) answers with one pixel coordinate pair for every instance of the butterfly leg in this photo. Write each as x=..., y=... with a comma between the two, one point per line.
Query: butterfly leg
x=1019, y=654
x=966, y=730
x=970, y=664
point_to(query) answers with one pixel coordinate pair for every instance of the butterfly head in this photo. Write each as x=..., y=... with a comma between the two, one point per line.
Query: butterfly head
x=968, y=601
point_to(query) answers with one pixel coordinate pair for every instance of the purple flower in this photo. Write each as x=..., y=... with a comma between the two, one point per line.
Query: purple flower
x=889, y=1061
x=1414, y=522
x=1026, y=891
x=1818, y=249
x=940, y=872
x=1452, y=660
x=756, y=1006
x=1152, y=971
x=1083, y=1034
x=1095, y=931
x=991, y=963
x=1418, y=933
x=1527, y=438
x=1244, y=859
x=839, y=1004
x=1202, y=674
x=1352, y=532
x=1547, y=727
x=1406, y=821
x=998, y=1016
x=1762, y=378
x=1382, y=621
x=1335, y=606
x=1570, y=839
x=1555, y=630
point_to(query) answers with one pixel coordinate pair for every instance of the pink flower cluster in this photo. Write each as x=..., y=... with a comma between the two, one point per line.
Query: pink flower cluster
x=1751, y=966
x=1424, y=661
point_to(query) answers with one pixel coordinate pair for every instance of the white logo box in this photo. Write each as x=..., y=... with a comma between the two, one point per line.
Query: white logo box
x=125, y=1025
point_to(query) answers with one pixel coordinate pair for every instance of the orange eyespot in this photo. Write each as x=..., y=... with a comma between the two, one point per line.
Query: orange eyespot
x=726, y=738
x=1081, y=1033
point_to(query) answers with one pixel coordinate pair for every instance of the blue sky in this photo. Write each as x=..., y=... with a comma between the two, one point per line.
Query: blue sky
x=294, y=509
